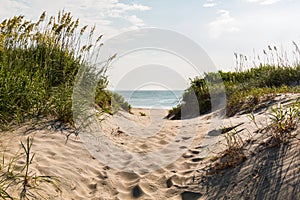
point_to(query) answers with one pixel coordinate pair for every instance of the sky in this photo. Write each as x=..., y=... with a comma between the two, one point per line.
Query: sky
x=221, y=28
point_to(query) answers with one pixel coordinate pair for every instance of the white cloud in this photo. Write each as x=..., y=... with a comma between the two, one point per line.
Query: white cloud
x=209, y=5
x=264, y=2
x=135, y=20
x=224, y=23
x=104, y=14
x=132, y=7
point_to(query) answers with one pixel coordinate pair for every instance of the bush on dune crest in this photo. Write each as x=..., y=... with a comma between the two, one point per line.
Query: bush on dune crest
x=38, y=64
x=244, y=89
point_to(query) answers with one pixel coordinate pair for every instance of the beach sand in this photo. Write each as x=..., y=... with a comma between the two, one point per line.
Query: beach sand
x=266, y=173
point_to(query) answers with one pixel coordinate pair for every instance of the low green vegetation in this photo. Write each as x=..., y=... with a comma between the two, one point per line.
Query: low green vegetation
x=278, y=130
x=112, y=102
x=233, y=154
x=142, y=114
x=284, y=120
x=38, y=65
x=25, y=184
x=246, y=90
x=39, y=62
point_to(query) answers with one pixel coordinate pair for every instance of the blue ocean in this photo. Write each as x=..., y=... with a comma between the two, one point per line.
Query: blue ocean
x=163, y=99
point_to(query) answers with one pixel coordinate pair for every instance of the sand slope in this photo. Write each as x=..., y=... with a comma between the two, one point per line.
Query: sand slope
x=267, y=173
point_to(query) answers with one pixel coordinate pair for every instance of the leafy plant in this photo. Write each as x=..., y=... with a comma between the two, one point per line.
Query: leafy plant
x=284, y=121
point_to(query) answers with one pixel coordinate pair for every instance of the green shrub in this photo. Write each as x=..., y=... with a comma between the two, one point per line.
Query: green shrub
x=38, y=65
x=283, y=121
x=111, y=102
x=244, y=89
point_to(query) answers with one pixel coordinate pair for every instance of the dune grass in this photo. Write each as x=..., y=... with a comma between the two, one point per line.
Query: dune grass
x=245, y=88
x=25, y=184
x=38, y=65
x=279, y=129
x=39, y=62
x=284, y=120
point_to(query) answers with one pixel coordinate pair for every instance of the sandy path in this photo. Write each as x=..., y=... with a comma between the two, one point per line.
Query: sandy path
x=82, y=176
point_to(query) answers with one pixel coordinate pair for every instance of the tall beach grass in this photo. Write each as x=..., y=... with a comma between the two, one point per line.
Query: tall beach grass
x=38, y=65
x=246, y=87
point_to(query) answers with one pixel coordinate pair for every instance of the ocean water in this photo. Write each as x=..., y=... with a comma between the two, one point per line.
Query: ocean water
x=163, y=99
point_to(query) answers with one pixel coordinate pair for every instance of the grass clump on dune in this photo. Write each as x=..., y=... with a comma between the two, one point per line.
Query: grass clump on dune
x=16, y=177
x=245, y=89
x=284, y=120
x=39, y=62
x=111, y=102
x=38, y=65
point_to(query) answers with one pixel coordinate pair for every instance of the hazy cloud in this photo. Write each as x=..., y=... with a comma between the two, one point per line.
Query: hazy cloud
x=264, y=2
x=135, y=20
x=102, y=13
x=224, y=23
x=209, y=4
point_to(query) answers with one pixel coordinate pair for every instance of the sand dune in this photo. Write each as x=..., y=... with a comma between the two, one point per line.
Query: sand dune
x=267, y=173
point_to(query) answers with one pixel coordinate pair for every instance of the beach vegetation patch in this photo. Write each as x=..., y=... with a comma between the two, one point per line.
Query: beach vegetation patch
x=17, y=178
x=38, y=65
x=247, y=90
